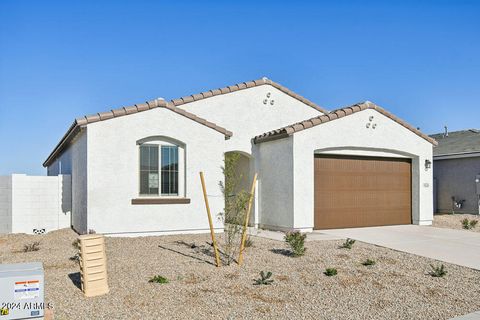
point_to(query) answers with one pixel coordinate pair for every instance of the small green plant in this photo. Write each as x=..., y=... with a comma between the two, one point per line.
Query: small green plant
x=159, y=279
x=264, y=278
x=469, y=224
x=34, y=246
x=348, y=244
x=329, y=272
x=437, y=271
x=296, y=240
x=369, y=262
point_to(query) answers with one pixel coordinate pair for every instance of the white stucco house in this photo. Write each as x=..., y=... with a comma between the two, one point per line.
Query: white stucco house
x=135, y=170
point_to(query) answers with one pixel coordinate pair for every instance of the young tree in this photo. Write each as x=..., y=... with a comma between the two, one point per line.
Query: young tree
x=236, y=201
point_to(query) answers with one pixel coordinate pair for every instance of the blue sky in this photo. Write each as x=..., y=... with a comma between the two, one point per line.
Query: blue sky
x=60, y=60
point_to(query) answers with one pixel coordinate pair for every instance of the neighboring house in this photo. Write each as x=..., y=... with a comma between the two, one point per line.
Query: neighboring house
x=456, y=171
x=135, y=170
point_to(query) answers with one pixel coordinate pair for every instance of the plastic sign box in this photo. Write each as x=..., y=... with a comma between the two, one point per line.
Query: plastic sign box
x=21, y=291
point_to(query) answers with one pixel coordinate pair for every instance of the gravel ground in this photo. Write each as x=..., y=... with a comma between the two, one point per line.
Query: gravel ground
x=454, y=221
x=397, y=287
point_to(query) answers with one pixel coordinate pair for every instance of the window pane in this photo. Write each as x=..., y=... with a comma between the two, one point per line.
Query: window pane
x=154, y=158
x=143, y=182
x=149, y=179
x=144, y=160
x=175, y=160
x=174, y=185
x=165, y=157
x=169, y=170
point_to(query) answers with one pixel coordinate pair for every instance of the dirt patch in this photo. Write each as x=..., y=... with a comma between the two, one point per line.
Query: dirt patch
x=454, y=221
x=396, y=287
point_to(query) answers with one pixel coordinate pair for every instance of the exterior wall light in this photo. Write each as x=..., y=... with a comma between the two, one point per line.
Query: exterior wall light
x=428, y=164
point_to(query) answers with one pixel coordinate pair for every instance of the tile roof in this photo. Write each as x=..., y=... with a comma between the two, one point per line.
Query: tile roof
x=173, y=106
x=242, y=86
x=335, y=114
x=101, y=116
x=457, y=142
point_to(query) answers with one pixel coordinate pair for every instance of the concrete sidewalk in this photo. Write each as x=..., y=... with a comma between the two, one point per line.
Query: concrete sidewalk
x=470, y=316
x=454, y=246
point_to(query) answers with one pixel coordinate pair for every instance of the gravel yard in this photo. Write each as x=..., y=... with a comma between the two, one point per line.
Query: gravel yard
x=396, y=287
x=454, y=221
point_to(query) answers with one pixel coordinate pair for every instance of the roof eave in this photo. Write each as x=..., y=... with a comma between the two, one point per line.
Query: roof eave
x=337, y=114
x=282, y=135
x=84, y=121
x=456, y=155
x=74, y=129
x=173, y=105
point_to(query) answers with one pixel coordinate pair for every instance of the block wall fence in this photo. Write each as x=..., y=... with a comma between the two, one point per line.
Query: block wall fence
x=34, y=204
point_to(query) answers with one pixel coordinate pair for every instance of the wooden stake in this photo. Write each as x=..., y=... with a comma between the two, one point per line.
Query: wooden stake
x=245, y=226
x=217, y=257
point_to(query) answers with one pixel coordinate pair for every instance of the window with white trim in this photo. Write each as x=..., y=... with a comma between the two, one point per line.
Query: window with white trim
x=161, y=169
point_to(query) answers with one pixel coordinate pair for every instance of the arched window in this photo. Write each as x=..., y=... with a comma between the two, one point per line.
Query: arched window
x=161, y=167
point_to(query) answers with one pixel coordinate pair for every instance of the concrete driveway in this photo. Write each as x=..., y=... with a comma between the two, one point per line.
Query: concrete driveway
x=448, y=245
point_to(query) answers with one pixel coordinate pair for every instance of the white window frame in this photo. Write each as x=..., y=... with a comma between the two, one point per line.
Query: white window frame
x=164, y=141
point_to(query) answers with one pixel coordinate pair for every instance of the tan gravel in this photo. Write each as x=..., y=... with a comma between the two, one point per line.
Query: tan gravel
x=454, y=221
x=397, y=287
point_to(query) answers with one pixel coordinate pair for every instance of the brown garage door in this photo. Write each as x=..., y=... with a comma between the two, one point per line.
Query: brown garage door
x=362, y=191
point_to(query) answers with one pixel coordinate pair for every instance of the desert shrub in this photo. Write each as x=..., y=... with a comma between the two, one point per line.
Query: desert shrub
x=469, y=224
x=437, y=271
x=330, y=272
x=348, y=244
x=159, y=279
x=29, y=247
x=264, y=278
x=76, y=246
x=296, y=240
x=236, y=202
x=368, y=262
x=76, y=243
x=248, y=242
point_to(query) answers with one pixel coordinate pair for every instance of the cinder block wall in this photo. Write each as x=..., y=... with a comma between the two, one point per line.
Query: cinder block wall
x=29, y=203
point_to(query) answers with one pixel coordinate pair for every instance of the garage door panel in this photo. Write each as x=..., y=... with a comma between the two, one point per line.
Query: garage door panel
x=336, y=220
x=361, y=191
